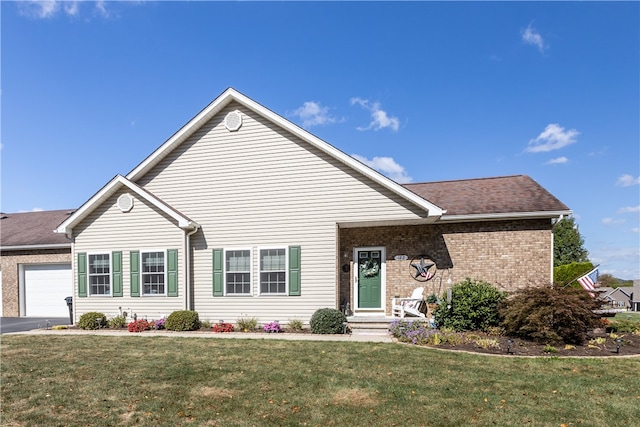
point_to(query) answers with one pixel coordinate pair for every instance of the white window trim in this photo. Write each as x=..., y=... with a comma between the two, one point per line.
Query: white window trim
x=108, y=254
x=286, y=271
x=224, y=271
x=145, y=251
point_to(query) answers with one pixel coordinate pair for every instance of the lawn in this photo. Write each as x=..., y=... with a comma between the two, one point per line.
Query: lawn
x=163, y=381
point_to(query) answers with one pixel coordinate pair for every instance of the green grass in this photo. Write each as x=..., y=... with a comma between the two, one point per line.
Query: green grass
x=163, y=381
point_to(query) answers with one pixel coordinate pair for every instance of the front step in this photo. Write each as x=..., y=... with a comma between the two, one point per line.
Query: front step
x=364, y=324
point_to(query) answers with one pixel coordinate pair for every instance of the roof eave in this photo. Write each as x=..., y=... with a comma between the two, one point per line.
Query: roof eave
x=36, y=246
x=503, y=216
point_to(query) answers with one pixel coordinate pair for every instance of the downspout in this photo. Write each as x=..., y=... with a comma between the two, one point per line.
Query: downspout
x=187, y=266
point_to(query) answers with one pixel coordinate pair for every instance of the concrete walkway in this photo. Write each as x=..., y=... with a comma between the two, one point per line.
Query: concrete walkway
x=356, y=336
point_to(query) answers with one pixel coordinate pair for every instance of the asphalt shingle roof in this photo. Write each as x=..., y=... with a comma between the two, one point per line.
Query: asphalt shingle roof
x=32, y=228
x=506, y=194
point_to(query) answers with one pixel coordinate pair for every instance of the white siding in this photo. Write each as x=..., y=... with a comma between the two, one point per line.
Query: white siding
x=108, y=229
x=261, y=186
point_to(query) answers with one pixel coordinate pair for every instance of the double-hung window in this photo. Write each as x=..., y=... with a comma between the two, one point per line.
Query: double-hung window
x=238, y=272
x=153, y=273
x=273, y=271
x=99, y=274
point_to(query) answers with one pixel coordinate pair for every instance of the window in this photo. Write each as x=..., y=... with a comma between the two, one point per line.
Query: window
x=238, y=272
x=99, y=274
x=153, y=273
x=273, y=268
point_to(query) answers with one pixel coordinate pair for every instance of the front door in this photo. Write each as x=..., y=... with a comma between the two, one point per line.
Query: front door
x=369, y=278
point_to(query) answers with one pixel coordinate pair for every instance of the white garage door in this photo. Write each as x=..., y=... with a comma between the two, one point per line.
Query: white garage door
x=45, y=288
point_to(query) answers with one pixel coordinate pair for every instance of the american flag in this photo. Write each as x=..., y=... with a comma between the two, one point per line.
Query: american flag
x=588, y=281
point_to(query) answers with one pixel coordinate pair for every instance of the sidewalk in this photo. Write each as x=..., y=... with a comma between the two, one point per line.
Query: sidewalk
x=357, y=336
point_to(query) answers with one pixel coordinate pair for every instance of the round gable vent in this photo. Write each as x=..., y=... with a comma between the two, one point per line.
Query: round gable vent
x=233, y=121
x=125, y=202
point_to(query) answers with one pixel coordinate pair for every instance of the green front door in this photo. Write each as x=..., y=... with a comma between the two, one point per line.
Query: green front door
x=369, y=278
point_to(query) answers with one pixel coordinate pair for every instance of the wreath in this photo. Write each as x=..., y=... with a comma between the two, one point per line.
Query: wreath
x=370, y=268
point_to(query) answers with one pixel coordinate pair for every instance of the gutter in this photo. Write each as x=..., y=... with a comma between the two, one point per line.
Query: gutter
x=503, y=216
x=31, y=247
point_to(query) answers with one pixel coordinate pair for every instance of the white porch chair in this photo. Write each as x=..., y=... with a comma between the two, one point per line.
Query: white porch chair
x=409, y=306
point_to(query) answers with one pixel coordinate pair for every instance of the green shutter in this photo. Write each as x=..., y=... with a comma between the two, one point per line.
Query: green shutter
x=218, y=282
x=116, y=273
x=134, y=266
x=172, y=273
x=82, y=274
x=294, y=271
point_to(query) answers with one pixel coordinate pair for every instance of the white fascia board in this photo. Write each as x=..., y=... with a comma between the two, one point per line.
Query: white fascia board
x=504, y=216
x=232, y=95
x=114, y=185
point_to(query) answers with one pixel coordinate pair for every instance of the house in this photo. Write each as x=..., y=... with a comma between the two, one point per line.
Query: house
x=35, y=265
x=241, y=213
x=618, y=298
x=635, y=296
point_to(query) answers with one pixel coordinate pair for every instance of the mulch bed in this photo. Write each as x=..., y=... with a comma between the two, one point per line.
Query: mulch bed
x=598, y=344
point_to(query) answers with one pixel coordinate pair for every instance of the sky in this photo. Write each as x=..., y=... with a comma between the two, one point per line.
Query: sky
x=420, y=91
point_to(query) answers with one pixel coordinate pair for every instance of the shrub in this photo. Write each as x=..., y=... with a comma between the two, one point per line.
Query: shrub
x=413, y=331
x=327, y=321
x=139, y=326
x=223, y=327
x=623, y=325
x=569, y=273
x=159, y=324
x=295, y=324
x=117, y=322
x=474, y=306
x=272, y=327
x=92, y=320
x=432, y=299
x=247, y=324
x=182, y=320
x=547, y=314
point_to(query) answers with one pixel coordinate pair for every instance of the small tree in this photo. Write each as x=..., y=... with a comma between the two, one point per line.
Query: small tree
x=568, y=244
x=550, y=315
x=474, y=306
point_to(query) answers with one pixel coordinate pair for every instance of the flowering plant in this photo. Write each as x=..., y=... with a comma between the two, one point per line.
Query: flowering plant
x=272, y=327
x=139, y=326
x=223, y=327
x=159, y=324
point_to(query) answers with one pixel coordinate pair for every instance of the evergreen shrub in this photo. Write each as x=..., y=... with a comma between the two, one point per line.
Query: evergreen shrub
x=182, y=320
x=92, y=320
x=327, y=321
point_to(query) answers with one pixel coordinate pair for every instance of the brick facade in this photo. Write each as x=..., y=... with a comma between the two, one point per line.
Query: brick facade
x=508, y=254
x=9, y=264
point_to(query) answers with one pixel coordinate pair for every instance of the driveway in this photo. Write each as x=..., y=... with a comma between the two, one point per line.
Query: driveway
x=22, y=324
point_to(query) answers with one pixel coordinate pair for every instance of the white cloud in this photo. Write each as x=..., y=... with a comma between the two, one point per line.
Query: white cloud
x=635, y=230
x=379, y=118
x=46, y=9
x=552, y=138
x=611, y=221
x=629, y=209
x=628, y=180
x=387, y=166
x=531, y=36
x=558, y=161
x=312, y=114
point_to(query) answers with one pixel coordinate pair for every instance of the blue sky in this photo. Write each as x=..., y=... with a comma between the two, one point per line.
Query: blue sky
x=422, y=91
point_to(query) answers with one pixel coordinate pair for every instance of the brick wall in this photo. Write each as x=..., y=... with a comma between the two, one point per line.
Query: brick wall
x=508, y=254
x=9, y=263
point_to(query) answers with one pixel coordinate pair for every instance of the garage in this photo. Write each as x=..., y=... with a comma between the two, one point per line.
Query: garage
x=45, y=288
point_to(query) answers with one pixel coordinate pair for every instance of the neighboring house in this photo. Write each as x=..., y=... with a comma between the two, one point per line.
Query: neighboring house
x=619, y=298
x=241, y=213
x=35, y=265
x=635, y=296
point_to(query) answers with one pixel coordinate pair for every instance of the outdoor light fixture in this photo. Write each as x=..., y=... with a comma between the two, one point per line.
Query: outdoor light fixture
x=618, y=342
x=221, y=321
x=509, y=342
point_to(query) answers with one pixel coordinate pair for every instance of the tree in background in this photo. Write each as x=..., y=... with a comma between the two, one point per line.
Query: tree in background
x=568, y=244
